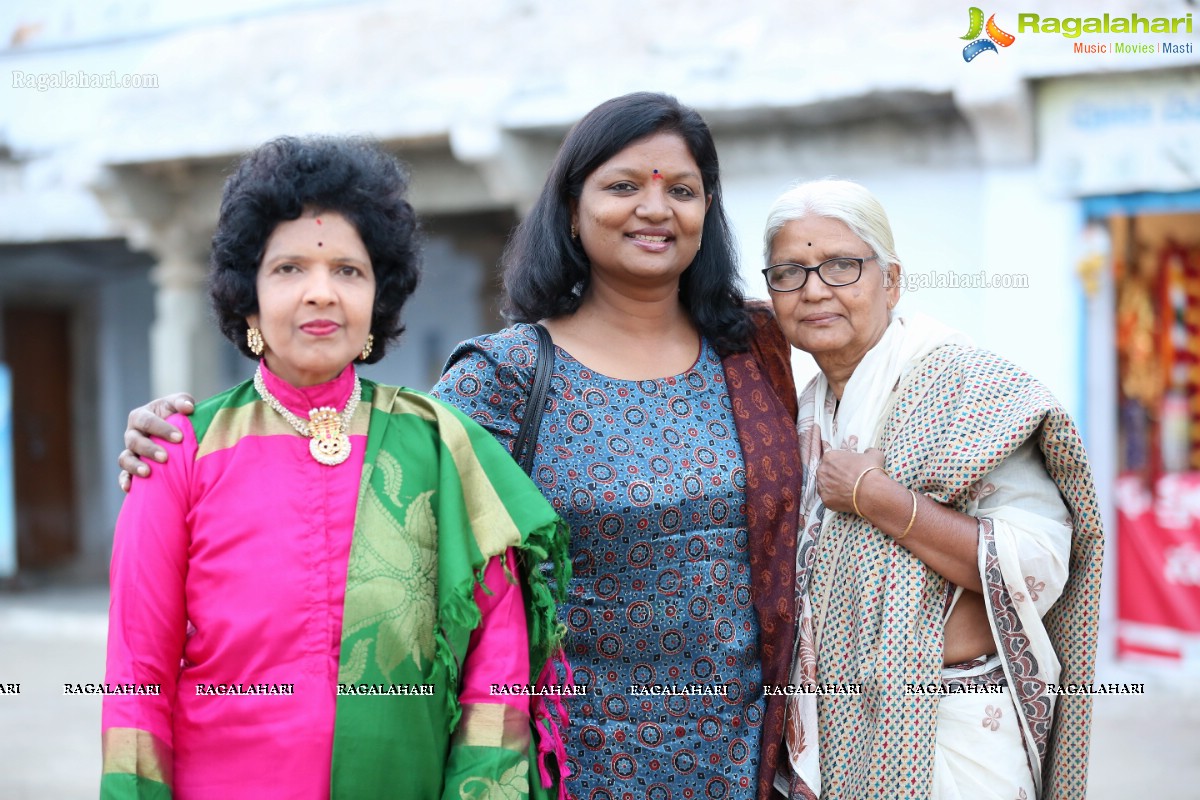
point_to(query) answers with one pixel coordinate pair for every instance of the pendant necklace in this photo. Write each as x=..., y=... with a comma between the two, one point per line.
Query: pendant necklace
x=326, y=428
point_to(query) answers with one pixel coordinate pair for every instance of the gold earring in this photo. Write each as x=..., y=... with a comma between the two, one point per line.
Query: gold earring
x=366, y=351
x=574, y=231
x=699, y=242
x=254, y=341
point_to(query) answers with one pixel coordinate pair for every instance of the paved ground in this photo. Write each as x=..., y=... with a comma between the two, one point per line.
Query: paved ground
x=1144, y=747
x=50, y=743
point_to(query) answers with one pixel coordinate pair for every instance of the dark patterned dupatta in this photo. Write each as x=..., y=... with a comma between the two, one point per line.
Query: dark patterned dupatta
x=763, y=394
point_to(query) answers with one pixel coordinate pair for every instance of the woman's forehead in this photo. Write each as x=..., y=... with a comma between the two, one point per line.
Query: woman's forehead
x=814, y=234
x=666, y=147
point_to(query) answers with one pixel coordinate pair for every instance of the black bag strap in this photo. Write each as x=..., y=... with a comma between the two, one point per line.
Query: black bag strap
x=535, y=406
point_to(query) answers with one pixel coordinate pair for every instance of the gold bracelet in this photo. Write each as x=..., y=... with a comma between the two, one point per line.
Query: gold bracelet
x=854, y=494
x=912, y=517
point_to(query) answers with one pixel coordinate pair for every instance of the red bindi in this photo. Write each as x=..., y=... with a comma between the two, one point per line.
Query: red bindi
x=657, y=176
x=320, y=244
x=318, y=220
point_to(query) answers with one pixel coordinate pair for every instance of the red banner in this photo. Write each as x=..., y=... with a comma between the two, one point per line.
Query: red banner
x=1158, y=552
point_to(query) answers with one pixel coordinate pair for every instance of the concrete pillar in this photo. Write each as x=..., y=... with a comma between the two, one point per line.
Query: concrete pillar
x=184, y=341
x=1026, y=240
x=169, y=210
x=999, y=108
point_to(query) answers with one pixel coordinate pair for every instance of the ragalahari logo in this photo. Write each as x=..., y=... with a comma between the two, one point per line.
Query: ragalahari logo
x=995, y=36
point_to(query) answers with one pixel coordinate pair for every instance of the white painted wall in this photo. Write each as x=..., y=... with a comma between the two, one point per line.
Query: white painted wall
x=794, y=91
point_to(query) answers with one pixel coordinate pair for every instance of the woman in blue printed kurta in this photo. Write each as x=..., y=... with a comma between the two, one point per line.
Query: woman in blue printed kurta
x=649, y=476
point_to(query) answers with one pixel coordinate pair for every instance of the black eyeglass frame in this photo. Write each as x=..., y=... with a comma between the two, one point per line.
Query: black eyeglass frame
x=817, y=269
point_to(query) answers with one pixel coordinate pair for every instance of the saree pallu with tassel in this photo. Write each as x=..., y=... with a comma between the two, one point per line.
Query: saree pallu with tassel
x=471, y=502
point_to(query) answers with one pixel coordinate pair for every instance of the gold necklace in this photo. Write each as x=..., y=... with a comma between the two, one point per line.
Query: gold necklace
x=325, y=428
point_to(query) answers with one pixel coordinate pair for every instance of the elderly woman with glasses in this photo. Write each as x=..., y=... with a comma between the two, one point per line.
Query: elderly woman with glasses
x=949, y=557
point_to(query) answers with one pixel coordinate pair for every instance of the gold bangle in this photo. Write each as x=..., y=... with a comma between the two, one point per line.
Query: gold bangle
x=912, y=517
x=854, y=494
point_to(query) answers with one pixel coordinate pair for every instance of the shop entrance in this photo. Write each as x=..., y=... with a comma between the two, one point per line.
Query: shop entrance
x=1155, y=247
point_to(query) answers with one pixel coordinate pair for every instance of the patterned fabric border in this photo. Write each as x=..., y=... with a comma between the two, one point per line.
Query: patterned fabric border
x=1034, y=704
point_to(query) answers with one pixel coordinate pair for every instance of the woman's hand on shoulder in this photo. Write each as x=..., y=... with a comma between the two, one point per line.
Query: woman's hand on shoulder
x=838, y=472
x=147, y=421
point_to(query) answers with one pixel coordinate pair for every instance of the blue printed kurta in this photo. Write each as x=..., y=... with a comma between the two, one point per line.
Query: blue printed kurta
x=649, y=475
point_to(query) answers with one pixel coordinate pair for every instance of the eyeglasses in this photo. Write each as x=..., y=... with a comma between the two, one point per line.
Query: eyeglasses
x=841, y=271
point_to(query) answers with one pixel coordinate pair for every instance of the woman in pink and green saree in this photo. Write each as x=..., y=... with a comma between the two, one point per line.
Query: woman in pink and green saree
x=320, y=592
x=948, y=565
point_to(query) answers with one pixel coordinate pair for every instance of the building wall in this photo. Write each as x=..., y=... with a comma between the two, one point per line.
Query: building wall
x=476, y=96
x=106, y=292
x=119, y=381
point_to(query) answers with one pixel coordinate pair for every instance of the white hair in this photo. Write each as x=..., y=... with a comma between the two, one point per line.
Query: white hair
x=846, y=201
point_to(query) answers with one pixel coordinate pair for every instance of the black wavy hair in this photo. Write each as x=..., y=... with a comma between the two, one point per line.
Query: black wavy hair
x=546, y=272
x=328, y=174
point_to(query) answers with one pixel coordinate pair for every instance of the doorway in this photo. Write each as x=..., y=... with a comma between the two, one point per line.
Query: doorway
x=37, y=349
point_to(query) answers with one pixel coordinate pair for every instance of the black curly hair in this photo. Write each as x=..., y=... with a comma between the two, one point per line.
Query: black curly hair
x=546, y=271
x=284, y=178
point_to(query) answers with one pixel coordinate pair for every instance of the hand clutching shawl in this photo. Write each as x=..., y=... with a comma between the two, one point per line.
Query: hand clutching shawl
x=879, y=611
